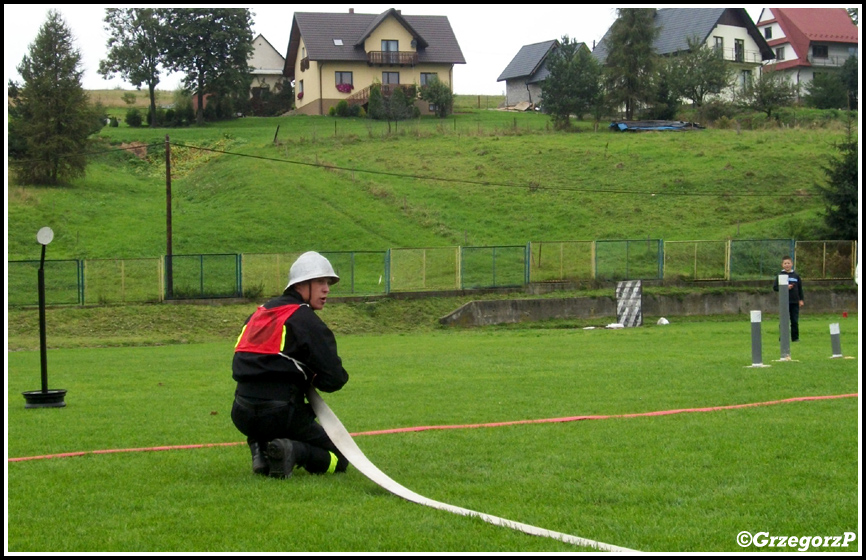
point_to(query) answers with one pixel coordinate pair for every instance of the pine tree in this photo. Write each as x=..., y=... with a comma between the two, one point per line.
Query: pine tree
x=631, y=60
x=50, y=117
x=574, y=84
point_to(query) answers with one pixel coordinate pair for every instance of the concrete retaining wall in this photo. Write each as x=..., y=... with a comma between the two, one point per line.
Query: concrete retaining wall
x=479, y=313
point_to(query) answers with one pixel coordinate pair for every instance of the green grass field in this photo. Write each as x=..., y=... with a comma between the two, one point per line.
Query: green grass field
x=681, y=482
x=480, y=177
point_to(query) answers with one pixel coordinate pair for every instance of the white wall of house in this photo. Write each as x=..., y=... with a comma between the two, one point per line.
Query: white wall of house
x=267, y=64
x=516, y=92
x=729, y=35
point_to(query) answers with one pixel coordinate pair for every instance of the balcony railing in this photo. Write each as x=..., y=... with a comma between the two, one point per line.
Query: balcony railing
x=362, y=96
x=736, y=55
x=827, y=60
x=392, y=58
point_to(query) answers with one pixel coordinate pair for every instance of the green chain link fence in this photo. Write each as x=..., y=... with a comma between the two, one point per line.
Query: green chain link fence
x=256, y=276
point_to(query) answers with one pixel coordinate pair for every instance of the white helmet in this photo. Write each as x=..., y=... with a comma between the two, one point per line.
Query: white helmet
x=309, y=266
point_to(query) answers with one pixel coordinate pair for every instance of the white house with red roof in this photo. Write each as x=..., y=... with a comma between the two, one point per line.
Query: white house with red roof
x=808, y=40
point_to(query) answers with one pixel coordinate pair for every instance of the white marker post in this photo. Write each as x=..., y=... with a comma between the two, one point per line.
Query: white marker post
x=756, y=340
x=835, y=341
x=784, y=319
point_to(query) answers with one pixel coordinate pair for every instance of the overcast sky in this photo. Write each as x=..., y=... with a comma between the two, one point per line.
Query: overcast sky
x=489, y=35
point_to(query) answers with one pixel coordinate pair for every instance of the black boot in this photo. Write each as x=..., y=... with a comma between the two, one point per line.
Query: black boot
x=260, y=462
x=281, y=458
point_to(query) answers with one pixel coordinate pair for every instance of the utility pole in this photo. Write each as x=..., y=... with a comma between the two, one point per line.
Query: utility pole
x=169, y=280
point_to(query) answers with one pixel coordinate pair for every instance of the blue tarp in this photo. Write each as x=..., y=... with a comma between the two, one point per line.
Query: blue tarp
x=638, y=126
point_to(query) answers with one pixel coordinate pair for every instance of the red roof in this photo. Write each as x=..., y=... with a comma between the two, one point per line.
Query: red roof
x=803, y=26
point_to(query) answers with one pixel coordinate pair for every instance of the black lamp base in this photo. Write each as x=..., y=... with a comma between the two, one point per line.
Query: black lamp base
x=52, y=398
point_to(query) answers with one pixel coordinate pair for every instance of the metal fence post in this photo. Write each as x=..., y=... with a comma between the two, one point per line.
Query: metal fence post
x=388, y=272
x=239, y=278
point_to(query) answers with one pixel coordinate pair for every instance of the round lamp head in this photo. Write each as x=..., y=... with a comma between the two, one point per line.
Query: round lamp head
x=45, y=235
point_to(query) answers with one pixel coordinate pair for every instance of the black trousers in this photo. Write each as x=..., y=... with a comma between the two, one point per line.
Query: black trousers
x=265, y=420
x=794, y=313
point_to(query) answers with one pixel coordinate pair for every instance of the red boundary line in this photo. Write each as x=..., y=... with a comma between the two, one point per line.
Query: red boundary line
x=453, y=426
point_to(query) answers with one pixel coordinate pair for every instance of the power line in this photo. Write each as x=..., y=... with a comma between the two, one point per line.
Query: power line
x=531, y=185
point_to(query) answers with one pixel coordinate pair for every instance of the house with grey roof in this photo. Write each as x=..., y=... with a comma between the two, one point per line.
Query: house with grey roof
x=730, y=31
x=807, y=41
x=527, y=71
x=333, y=56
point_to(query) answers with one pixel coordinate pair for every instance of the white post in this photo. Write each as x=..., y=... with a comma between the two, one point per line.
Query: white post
x=784, y=318
x=756, y=340
x=835, y=341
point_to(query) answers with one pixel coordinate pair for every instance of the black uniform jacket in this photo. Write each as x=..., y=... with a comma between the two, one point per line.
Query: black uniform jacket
x=313, y=351
x=795, y=294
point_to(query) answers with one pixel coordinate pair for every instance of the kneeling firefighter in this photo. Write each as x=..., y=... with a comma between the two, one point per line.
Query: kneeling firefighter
x=284, y=348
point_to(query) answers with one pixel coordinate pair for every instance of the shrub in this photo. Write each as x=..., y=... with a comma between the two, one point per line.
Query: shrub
x=343, y=108
x=712, y=111
x=133, y=117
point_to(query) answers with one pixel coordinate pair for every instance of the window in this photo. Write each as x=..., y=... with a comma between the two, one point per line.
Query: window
x=739, y=50
x=338, y=42
x=389, y=52
x=390, y=77
x=719, y=44
x=300, y=90
x=745, y=79
x=343, y=81
x=428, y=77
x=780, y=53
x=820, y=51
x=768, y=33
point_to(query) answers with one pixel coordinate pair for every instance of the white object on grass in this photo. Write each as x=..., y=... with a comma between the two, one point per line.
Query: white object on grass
x=347, y=446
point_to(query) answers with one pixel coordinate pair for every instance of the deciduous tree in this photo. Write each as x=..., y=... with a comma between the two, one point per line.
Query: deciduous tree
x=770, y=91
x=698, y=72
x=211, y=46
x=137, y=48
x=439, y=94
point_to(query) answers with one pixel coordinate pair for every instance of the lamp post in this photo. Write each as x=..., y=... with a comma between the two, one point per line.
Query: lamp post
x=45, y=398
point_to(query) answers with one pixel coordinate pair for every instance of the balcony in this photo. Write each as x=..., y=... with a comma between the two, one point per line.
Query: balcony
x=832, y=61
x=392, y=58
x=363, y=96
x=739, y=55
x=305, y=63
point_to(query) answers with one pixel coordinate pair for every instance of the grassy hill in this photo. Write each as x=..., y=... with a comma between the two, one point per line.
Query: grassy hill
x=480, y=177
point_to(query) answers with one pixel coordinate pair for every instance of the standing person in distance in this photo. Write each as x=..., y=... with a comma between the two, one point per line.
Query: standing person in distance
x=795, y=295
x=283, y=349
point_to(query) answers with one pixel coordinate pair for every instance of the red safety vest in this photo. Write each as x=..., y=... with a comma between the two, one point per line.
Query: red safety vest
x=265, y=332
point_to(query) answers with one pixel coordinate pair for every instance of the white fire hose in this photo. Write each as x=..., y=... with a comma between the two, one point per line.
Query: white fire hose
x=347, y=446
